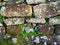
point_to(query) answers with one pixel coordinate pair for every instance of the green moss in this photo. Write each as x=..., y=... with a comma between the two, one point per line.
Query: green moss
x=21, y=25
x=33, y=14
x=1, y=17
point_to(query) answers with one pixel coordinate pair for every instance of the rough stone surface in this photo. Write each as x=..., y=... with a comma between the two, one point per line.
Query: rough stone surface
x=36, y=20
x=45, y=10
x=13, y=30
x=14, y=1
x=2, y=30
x=53, y=0
x=44, y=29
x=16, y=10
x=35, y=1
x=14, y=21
x=54, y=21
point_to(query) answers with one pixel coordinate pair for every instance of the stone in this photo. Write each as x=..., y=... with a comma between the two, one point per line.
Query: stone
x=13, y=30
x=43, y=29
x=16, y=10
x=2, y=30
x=36, y=20
x=13, y=21
x=35, y=1
x=45, y=10
x=54, y=21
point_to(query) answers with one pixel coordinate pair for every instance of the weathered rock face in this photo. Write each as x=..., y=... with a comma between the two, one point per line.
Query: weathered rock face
x=53, y=0
x=46, y=40
x=35, y=1
x=30, y=22
x=16, y=10
x=36, y=20
x=14, y=1
x=1, y=24
x=2, y=3
x=8, y=0
x=43, y=40
x=57, y=31
x=2, y=30
x=14, y=21
x=45, y=10
x=57, y=39
x=36, y=39
x=13, y=29
x=54, y=21
x=57, y=4
x=44, y=29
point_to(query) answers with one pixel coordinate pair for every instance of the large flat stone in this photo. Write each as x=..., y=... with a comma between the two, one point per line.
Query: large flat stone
x=54, y=21
x=36, y=20
x=45, y=10
x=16, y=10
x=14, y=21
x=35, y=1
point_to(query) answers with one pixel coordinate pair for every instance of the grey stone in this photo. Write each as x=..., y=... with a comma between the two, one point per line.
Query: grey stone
x=54, y=21
x=45, y=10
x=14, y=21
x=35, y=1
x=36, y=20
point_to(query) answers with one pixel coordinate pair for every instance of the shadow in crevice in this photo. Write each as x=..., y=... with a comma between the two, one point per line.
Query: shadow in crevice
x=5, y=26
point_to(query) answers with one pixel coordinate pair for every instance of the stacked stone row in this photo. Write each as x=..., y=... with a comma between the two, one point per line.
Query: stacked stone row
x=33, y=14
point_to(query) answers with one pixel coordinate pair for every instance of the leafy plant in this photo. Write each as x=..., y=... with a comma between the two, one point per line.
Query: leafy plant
x=1, y=17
